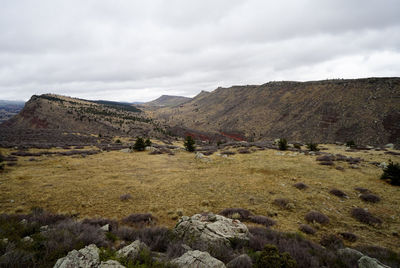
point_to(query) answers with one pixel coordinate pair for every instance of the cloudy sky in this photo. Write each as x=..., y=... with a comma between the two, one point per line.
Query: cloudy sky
x=130, y=50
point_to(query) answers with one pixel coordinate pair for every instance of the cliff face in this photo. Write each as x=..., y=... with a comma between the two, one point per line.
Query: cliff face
x=364, y=110
x=70, y=114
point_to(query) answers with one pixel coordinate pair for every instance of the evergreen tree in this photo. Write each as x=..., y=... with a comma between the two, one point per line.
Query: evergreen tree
x=189, y=144
x=139, y=144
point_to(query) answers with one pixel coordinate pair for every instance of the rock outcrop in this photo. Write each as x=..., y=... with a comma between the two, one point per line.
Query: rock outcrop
x=199, y=259
x=132, y=250
x=210, y=231
x=86, y=257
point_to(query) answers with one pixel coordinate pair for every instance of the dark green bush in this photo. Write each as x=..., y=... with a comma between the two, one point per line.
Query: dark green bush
x=118, y=141
x=350, y=144
x=139, y=144
x=147, y=142
x=189, y=144
x=297, y=146
x=392, y=173
x=312, y=146
x=271, y=257
x=282, y=143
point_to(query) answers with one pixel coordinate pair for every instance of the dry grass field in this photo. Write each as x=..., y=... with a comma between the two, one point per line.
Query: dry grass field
x=171, y=185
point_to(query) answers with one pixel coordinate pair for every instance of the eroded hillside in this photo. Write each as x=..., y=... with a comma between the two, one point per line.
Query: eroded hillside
x=364, y=110
x=96, y=117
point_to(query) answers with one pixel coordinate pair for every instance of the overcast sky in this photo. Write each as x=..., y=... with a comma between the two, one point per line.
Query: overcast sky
x=131, y=50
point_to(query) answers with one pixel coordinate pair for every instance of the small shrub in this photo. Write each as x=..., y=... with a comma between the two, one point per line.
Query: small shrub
x=307, y=229
x=271, y=257
x=351, y=144
x=243, y=151
x=259, y=219
x=99, y=222
x=125, y=197
x=300, y=186
x=139, y=218
x=283, y=203
x=370, y=198
x=332, y=242
x=139, y=144
x=338, y=193
x=229, y=212
x=147, y=142
x=189, y=144
x=312, y=146
x=228, y=152
x=362, y=190
x=392, y=173
x=118, y=141
x=297, y=146
x=315, y=216
x=364, y=216
x=348, y=236
x=282, y=144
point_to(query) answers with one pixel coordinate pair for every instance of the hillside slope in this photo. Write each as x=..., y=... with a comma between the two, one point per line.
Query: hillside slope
x=167, y=101
x=364, y=110
x=50, y=111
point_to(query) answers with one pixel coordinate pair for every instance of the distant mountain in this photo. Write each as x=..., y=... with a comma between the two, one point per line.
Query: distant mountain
x=364, y=110
x=168, y=101
x=9, y=109
x=51, y=111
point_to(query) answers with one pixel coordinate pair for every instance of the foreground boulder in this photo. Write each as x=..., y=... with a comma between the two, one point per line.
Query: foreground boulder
x=132, y=250
x=368, y=262
x=209, y=231
x=85, y=257
x=198, y=259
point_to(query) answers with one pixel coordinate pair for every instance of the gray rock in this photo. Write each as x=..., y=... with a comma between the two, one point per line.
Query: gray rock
x=197, y=259
x=368, y=262
x=27, y=239
x=150, y=148
x=383, y=165
x=204, y=231
x=4, y=241
x=85, y=257
x=241, y=261
x=126, y=150
x=44, y=228
x=389, y=146
x=349, y=253
x=132, y=250
x=23, y=222
x=110, y=264
x=105, y=228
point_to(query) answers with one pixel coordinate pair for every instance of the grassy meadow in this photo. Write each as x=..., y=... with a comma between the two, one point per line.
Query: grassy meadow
x=168, y=186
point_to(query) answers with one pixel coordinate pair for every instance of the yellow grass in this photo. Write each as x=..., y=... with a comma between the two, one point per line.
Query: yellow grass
x=165, y=185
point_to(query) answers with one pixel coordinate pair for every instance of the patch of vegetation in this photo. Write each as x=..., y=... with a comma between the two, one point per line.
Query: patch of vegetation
x=338, y=193
x=259, y=219
x=300, y=186
x=119, y=106
x=147, y=142
x=307, y=229
x=312, y=146
x=139, y=144
x=271, y=257
x=189, y=144
x=392, y=173
x=125, y=197
x=351, y=144
x=364, y=216
x=244, y=214
x=282, y=144
x=348, y=236
x=332, y=242
x=283, y=203
x=140, y=218
x=315, y=216
x=368, y=197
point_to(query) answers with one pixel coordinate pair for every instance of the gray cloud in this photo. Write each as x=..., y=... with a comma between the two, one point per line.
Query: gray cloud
x=135, y=50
